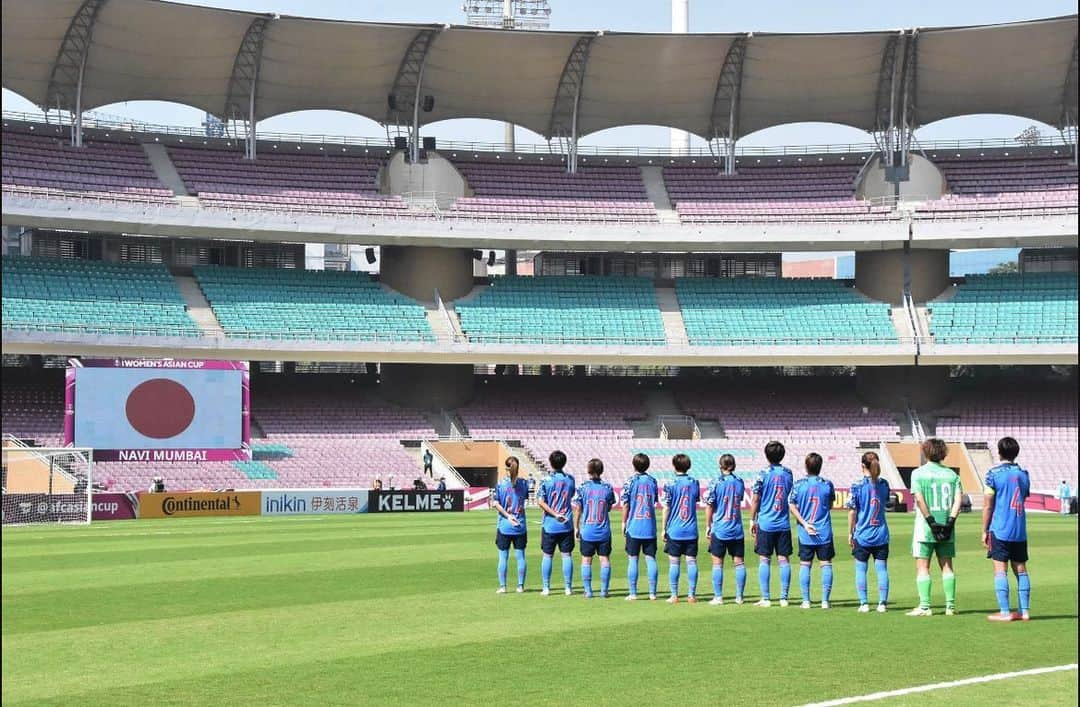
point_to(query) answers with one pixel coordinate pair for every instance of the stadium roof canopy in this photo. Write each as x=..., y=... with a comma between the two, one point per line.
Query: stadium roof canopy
x=554, y=83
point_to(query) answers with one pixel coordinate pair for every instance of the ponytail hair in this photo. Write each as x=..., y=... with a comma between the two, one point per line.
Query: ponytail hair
x=872, y=463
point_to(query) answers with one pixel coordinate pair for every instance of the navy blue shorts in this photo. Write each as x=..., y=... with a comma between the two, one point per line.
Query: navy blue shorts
x=769, y=543
x=549, y=541
x=1007, y=550
x=678, y=548
x=823, y=552
x=637, y=546
x=719, y=548
x=597, y=547
x=862, y=553
x=503, y=542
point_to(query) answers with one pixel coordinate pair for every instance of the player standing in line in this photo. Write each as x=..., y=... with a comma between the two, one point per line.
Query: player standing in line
x=593, y=503
x=510, y=496
x=811, y=501
x=555, y=499
x=868, y=531
x=723, y=518
x=680, y=527
x=1004, y=529
x=937, y=497
x=770, y=522
x=639, y=496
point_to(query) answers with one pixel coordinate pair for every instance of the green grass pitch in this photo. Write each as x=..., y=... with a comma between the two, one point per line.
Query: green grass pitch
x=400, y=609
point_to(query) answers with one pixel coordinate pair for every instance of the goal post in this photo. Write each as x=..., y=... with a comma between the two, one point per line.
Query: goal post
x=46, y=485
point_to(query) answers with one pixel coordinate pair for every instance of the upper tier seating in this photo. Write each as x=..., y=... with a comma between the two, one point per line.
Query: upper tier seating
x=554, y=310
x=1031, y=308
x=93, y=297
x=730, y=311
x=527, y=192
x=769, y=193
x=284, y=182
x=114, y=169
x=310, y=304
x=1004, y=186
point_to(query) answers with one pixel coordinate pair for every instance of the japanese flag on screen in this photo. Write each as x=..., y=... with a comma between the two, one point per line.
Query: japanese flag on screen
x=119, y=408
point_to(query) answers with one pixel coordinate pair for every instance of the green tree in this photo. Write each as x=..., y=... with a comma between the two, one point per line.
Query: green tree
x=1009, y=266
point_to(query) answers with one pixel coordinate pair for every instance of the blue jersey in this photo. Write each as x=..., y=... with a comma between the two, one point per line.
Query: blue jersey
x=868, y=501
x=681, y=497
x=725, y=496
x=512, y=497
x=1009, y=486
x=772, y=487
x=814, y=496
x=639, y=495
x=594, y=500
x=557, y=491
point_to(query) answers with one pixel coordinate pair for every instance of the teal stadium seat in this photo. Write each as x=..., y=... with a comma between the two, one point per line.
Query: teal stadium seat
x=93, y=297
x=1034, y=308
x=773, y=310
x=564, y=310
x=264, y=303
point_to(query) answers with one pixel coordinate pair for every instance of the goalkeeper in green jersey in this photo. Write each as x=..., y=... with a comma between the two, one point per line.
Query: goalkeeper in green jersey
x=937, y=502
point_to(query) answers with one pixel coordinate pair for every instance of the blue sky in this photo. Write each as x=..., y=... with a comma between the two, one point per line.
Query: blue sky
x=636, y=16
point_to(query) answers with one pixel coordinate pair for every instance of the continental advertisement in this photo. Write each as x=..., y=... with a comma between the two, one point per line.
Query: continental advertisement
x=201, y=504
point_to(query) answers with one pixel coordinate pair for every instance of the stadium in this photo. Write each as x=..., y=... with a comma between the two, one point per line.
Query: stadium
x=262, y=389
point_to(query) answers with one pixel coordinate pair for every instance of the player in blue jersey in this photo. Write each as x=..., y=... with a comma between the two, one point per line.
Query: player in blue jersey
x=811, y=501
x=770, y=523
x=509, y=502
x=1005, y=529
x=868, y=531
x=555, y=498
x=639, y=495
x=681, y=497
x=593, y=504
x=723, y=518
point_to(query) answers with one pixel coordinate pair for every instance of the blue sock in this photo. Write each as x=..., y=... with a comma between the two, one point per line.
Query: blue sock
x=785, y=578
x=605, y=578
x=568, y=571
x=586, y=578
x=860, y=581
x=882, y=569
x=1023, y=586
x=804, y=580
x=631, y=574
x=545, y=571
x=691, y=575
x=740, y=580
x=504, y=557
x=1001, y=588
x=654, y=574
x=521, y=567
x=673, y=578
x=718, y=580
x=826, y=581
x=763, y=578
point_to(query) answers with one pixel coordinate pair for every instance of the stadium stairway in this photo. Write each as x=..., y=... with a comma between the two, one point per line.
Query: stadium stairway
x=164, y=168
x=658, y=194
x=198, y=308
x=438, y=322
x=671, y=315
x=888, y=467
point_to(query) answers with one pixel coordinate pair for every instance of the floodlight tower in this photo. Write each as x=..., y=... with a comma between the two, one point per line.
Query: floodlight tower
x=680, y=24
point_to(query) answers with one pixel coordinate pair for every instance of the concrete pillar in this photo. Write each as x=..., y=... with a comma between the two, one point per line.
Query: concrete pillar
x=927, y=387
x=510, y=260
x=418, y=271
x=428, y=386
x=880, y=274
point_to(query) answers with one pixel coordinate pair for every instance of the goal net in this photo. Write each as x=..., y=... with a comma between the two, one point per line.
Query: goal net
x=46, y=484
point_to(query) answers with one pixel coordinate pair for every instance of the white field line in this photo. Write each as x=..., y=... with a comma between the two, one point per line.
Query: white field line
x=942, y=686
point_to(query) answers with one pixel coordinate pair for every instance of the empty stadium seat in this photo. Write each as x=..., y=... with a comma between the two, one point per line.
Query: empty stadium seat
x=1028, y=309
x=1000, y=185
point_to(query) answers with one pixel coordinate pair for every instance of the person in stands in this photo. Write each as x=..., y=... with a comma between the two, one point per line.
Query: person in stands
x=442, y=484
x=376, y=485
x=429, y=458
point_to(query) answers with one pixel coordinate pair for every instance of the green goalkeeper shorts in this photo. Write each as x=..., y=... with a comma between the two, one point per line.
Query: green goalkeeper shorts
x=946, y=550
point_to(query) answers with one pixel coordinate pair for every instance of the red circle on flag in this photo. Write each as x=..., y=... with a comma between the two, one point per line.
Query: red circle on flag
x=160, y=408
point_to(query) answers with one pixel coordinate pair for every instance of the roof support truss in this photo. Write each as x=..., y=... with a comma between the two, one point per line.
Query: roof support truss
x=244, y=81
x=66, y=79
x=885, y=104
x=724, y=120
x=563, y=125
x=908, y=93
x=405, y=94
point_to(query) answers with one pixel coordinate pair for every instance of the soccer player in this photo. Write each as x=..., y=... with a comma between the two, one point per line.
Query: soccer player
x=510, y=529
x=770, y=523
x=593, y=503
x=555, y=499
x=639, y=496
x=811, y=501
x=868, y=531
x=937, y=497
x=1004, y=529
x=723, y=518
x=680, y=527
